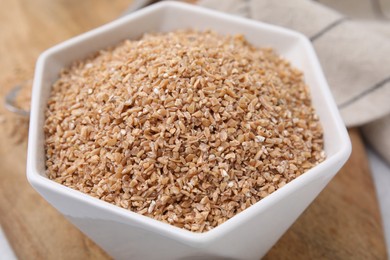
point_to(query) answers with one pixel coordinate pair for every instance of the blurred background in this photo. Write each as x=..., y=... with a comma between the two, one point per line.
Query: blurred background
x=351, y=217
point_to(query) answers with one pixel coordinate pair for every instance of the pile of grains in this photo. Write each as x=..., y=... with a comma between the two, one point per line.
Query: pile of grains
x=189, y=128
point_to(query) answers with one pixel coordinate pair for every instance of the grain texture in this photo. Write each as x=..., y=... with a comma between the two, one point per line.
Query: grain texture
x=343, y=223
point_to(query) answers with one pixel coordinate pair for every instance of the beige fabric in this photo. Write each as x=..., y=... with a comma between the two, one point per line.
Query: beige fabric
x=354, y=8
x=383, y=7
x=304, y=16
x=354, y=52
x=378, y=134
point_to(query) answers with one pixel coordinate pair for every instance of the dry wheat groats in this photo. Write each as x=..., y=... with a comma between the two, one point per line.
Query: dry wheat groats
x=187, y=127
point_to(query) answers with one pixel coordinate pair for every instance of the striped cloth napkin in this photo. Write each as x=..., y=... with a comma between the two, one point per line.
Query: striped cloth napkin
x=353, y=45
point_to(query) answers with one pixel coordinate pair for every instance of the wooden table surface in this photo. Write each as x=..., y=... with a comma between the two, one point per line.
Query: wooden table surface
x=342, y=223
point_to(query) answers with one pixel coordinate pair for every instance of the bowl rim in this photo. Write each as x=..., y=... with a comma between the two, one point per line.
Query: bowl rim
x=38, y=181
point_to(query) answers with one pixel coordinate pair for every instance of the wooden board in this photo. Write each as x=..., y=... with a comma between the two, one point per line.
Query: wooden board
x=342, y=223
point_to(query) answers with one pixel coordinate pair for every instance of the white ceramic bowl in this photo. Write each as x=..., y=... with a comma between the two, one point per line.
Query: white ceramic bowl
x=127, y=235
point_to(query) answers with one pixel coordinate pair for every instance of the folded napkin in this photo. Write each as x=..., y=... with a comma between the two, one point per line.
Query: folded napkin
x=354, y=54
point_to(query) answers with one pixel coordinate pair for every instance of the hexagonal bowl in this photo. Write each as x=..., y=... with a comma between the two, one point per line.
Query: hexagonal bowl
x=127, y=235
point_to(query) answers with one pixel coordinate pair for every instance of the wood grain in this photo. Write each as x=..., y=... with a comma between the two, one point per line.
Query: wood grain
x=35, y=229
x=342, y=223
